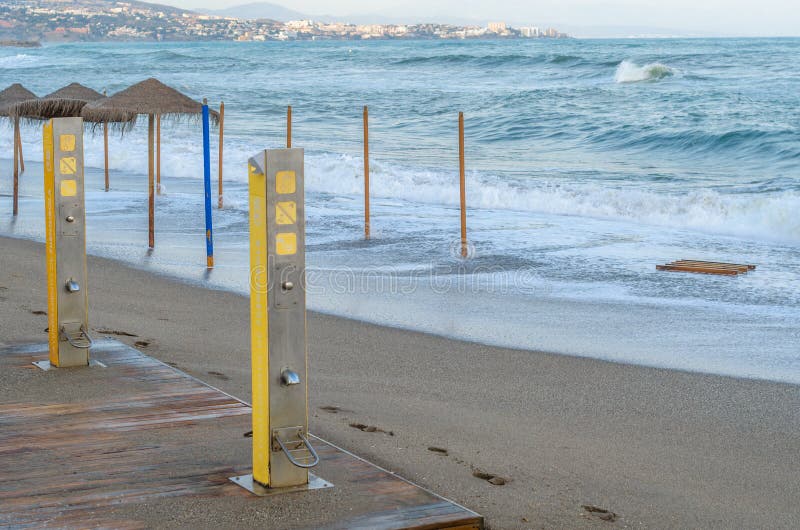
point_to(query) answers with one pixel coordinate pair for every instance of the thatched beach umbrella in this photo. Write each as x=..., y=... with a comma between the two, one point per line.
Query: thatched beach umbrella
x=153, y=98
x=66, y=102
x=9, y=99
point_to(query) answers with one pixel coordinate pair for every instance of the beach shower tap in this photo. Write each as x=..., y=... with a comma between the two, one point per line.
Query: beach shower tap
x=289, y=378
x=65, y=222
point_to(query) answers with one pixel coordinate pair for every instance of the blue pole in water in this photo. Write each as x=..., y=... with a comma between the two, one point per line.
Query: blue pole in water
x=207, y=183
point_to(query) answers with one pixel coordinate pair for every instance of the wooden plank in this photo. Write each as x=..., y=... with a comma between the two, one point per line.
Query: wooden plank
x=711, y=264
x=740, y=269
x=697, y=269
x=93, y=462
x=715, y=264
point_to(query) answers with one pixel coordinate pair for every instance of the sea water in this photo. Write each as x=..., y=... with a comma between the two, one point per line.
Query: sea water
x=588, y=163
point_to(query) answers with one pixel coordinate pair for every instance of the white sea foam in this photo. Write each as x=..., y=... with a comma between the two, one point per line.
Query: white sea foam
x=771, y=216
x=630, y=72
x=20, y=60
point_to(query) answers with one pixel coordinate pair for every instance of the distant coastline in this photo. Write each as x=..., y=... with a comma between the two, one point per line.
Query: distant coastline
x=20, y=44
x=130, y=20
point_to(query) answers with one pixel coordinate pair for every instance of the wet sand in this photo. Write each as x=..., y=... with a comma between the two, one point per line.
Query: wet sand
x=658, y=448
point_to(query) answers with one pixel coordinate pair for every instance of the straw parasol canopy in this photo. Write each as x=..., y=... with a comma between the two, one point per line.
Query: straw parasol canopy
x=13, y=96
x=156, y=100
x=65, y=102
x=151, y=97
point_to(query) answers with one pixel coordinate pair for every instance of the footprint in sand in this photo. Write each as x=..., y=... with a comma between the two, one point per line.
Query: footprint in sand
x=370, y=428
x=115, y=332
x=600, y=513
x=491, y=478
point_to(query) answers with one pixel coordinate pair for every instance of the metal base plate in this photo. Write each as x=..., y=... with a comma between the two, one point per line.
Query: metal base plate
x=247, y=482
x=45, y=365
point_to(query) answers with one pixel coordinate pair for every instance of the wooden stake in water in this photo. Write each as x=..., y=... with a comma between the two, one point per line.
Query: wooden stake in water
x=151, y=201
x=105, y=150
x=366, y=172
x=158, y=153
x=19, y=151
x=289, y=127
x=463, y=185
x=221, y=136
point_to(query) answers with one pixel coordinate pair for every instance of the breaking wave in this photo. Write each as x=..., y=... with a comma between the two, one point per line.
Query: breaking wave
x=630, y=72
x=21, y=60
x=495, y=60
x=756, y=213
x=750, y=215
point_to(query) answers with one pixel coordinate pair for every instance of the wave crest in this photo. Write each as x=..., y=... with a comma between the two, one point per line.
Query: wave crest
x=630, y=72
x=20, y=60
x=750, y=215
x=497, y=60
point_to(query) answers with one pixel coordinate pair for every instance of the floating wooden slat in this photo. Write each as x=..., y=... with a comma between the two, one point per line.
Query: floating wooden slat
x=87, y=447
x=716, y=264
x=702, y=270
x=706, y=267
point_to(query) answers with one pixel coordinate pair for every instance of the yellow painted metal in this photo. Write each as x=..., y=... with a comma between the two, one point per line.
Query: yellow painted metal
x=285, y=182
x=286, y=212
x=68, y=165
x=69, y=188
x=67, y=142
x=50, y=247
x=286, y=244
x=259, y=338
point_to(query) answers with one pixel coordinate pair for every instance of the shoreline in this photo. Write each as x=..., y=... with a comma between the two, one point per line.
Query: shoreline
x=658, y=447
x=199, y=282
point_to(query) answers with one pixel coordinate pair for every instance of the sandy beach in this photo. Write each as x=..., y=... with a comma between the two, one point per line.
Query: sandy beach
x=658, y=448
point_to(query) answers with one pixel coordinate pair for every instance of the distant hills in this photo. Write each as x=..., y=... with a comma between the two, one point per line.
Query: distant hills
x=259, y=10
x=167, y=9
x=267, y=10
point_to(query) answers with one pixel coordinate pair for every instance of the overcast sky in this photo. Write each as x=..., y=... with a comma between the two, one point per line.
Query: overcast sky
x=727, y=17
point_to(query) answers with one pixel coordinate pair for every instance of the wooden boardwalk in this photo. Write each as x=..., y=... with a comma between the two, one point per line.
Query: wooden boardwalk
x=91, y=447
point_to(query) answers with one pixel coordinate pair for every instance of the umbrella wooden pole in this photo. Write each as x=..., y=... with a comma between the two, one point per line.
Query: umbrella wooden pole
x=16, y=166
x=289, y=127
x=151, y=197
x=366, y=172
x=221, y=136
x=462, y=181
x=19, y=152
x=158, y=153
x=105, y=150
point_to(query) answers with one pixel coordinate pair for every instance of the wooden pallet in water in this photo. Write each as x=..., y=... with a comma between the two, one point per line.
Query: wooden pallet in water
x=706, y=267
